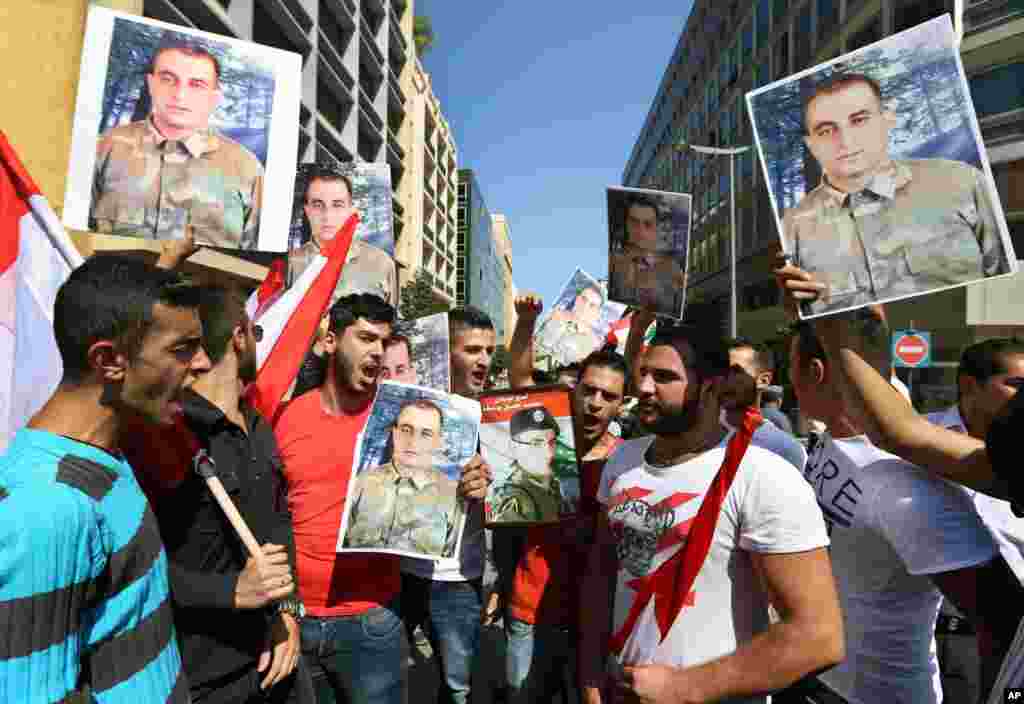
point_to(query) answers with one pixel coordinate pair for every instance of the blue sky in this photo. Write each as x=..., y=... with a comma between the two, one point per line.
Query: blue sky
x=546, y=100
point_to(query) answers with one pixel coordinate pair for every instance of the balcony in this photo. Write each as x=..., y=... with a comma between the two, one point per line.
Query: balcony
x=429, y=189
x=400, y=6
x=398, y=47
x=393, y=141
x=329, y=137
x=428, y=233
x=396, y=99
x=395, y=155
x=370, y=57
x=985, y=14
x=329, y=55
x=369, y=112
x=397, y=208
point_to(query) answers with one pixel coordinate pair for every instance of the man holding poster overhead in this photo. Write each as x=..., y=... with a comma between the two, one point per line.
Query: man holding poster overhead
x=878, y=228
x=157, y=176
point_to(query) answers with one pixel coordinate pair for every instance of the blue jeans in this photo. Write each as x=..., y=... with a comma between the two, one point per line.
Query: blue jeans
x=540, y=661
x=451, y=613
x=355, y=659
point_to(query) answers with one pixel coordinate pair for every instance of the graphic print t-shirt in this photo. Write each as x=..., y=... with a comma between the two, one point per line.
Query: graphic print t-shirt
x=892, y=526
x=769, y=509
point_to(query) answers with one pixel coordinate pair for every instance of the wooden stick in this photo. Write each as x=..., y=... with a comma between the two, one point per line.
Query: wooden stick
x=228, y=506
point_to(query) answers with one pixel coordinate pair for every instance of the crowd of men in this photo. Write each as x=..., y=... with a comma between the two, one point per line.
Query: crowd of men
x=712, y=557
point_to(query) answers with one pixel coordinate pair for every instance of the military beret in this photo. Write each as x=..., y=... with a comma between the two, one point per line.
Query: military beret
x=533, y=418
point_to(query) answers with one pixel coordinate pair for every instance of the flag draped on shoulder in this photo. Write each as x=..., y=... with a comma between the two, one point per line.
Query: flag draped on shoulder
x=289, y=318
x=36, y=257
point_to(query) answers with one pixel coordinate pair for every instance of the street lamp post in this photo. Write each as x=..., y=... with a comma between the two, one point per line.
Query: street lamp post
x=731, y=152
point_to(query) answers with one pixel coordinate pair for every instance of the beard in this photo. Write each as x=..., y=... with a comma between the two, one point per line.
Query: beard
x=673, y=420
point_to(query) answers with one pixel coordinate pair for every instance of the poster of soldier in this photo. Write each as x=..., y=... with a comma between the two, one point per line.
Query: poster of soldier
x=527, y=439
x=179, y=128
x=649, y=240
x=402, y=497
x=577, y=323
x=418, y=353
x=878, y=177
x=326, y=194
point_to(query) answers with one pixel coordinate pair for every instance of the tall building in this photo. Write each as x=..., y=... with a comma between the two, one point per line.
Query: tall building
x=503, y=241
x=480, y=281
x=729, y=48
x=428, y=191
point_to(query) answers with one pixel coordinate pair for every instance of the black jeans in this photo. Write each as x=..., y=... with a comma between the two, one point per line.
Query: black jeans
x=297, y=688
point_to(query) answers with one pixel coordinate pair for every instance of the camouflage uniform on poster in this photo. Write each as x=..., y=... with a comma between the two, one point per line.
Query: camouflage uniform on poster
x=367, y=270
x=916, y=226
x=413, y=510
x=147, y=186
x=531, y=493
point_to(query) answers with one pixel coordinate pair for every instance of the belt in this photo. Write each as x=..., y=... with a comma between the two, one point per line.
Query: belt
x=953, y=625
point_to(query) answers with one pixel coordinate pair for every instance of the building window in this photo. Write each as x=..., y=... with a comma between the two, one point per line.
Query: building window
x=910, y=14
x=871, y=33
x=805, y=45
x=763, y=23
x=828, y=17
x=999, y=90
x=779, y=8
x=782, y=57
x=747, y=45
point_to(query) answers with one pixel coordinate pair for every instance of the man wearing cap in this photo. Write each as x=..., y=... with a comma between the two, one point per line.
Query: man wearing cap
x=531, y=493
x=876, y=227
x=408, y=504
x=157, y=176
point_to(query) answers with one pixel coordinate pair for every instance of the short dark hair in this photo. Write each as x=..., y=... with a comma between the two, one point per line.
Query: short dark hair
x=399, y=339
x=870, y=339
x=704, y=352
x=835, y=83
x=807, y=343
x=111, y=297
x=173, y=41
x=468, y=318
x=322, y=172
x=424, y=404
x=348, y=309
x=605, y=358
x=764, y=358
x=222, y=309
x=985, y=359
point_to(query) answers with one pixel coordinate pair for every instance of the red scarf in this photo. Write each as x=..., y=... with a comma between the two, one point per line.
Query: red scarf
x=671, y=583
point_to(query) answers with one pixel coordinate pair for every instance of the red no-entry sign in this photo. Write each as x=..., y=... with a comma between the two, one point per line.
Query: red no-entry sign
x=911, y=348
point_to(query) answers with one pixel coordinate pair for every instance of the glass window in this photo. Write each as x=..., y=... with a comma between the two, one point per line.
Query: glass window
x=828, y=17
x=779, y=8
x=871, y=33
x=763, y=23
x=999, y=90
x=805, y=44
x=909, y=14
x=747, y=44
x=782, y=57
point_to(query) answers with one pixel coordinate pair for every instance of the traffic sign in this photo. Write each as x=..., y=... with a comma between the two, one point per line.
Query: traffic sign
x=912, y=348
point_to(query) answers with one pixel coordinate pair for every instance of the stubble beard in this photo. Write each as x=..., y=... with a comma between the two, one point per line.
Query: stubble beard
x=673, y=421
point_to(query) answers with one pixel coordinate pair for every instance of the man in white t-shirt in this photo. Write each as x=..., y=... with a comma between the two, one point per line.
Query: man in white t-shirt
x=769, y=540
x=989, y=375
x=750, y=370
x=901, y=539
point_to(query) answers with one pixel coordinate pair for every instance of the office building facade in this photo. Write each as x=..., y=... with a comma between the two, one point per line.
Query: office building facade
x=428, y=192
x=503, y=241
x=729, y=48
x=479, y=278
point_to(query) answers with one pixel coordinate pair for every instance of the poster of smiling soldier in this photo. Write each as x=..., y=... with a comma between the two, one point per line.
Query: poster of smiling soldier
x=179, y=128
x=877, y=173
x=527, y=439
x=402, y=498
x=577, y=323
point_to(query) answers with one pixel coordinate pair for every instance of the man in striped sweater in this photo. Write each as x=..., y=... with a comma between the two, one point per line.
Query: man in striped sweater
x=84, y=598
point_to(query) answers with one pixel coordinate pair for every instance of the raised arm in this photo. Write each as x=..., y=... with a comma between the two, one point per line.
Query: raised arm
x=520, y=372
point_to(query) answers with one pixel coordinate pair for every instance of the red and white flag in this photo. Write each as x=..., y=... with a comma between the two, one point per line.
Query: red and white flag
x=36, y=257
x=289, y=318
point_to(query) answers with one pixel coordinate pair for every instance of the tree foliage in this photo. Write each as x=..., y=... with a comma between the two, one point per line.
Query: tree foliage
x=422, y=34
x=416, y=299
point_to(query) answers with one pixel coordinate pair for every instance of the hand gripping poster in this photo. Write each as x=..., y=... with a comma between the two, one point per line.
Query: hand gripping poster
x=403, y=492
x=878, y=177
x=527, y=439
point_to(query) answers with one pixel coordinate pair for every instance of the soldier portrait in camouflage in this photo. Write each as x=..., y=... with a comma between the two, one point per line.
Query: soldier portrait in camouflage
x=879, y=228
x=649, y=238
x=156, y=176
x=327, y=200
x=407, y=504
x=531, y=492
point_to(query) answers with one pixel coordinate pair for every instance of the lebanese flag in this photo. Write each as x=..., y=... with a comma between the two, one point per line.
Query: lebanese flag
x=289, y=318
x=36, y=257
x=618, y=333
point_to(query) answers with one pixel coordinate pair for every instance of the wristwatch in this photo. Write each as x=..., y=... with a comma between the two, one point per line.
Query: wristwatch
x=292, y=607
